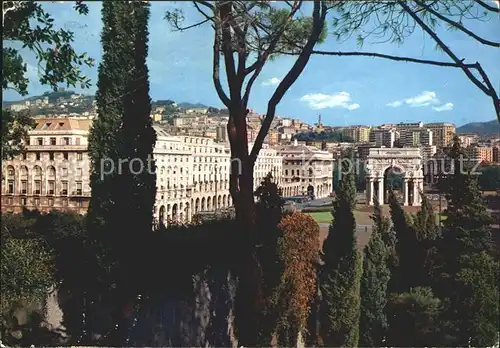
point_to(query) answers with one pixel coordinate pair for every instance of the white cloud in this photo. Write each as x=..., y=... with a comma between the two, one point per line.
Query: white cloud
x=426, y=98
x=394, y=104
x=444, y=107
x=323, y=101
x=271, y=82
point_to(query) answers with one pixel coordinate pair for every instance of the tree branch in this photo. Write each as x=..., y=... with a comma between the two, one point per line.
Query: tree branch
x=178, y=28
x=494, y=94
x=216, y=65
x=457, y=25
x=224, y=18
x=443, y=46
x=319, y=14
x=262, y=58
x=395, y=58
x=488, y=91
x=488, y=7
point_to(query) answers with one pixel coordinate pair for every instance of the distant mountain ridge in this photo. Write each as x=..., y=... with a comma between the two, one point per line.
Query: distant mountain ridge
x=54, y=95
x=481, y=128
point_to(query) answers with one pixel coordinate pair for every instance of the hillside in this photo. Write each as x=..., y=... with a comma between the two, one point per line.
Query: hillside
x=84, y=103
x=482, y=128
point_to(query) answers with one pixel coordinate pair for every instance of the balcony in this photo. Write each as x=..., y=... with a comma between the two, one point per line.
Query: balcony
x=64, y=192
x=37, y=192
x=24, y=192
x=78, y=193
x=50, y=192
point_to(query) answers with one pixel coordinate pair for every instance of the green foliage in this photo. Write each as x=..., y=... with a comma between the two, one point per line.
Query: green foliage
x=265, y=23
x=346, y=189
x=466, y=276
x=15, y=127
x=479, y=312
x=27, y=271
x=489, y=180
x=403, y=275
x=414, y=319
x=269, y=211
x=373, y=289
x=387, y=21
x=322, y=136
x=27, y=23
x=340, y=275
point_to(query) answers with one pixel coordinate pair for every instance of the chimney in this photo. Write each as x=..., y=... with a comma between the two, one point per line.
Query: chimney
x=295, y=143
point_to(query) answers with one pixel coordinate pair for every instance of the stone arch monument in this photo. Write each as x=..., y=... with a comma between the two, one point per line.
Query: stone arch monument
x=407, y=161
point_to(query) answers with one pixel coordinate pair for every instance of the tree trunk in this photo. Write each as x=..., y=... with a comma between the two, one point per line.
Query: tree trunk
x=249, y=300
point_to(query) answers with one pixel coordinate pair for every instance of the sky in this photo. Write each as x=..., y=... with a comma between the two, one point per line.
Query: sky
x=343, y=90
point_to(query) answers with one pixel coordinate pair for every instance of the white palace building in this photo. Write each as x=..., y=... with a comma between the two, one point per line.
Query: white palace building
x=192, y=172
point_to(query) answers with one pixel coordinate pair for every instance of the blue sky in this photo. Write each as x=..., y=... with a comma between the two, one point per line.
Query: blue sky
x=344, y=90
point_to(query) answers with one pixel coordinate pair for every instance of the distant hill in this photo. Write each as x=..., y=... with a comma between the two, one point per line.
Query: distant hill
x=481, y=128
x=186, y=105
x=66, y=94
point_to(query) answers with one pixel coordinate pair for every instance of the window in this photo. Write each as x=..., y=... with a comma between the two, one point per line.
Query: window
x=23, y=201
x=50, y=202
x=77, y=141
x=11, y=186
x=79, y=172
x=36, y=201
x=38, y=187
x=24, y=156
x=64, y=171
x=79, y=156
x=9, y=201
x=65, y=155
x=66, y=141
x=64, y=190
x=52, y=187
x=79, y=189
x=24, y=187
x=51, y=156
x=10, y=171
x=39, y=141
x=37, y=156
x=53, y=141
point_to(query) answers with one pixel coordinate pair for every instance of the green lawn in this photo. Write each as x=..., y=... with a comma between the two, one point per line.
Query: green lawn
x=324, y=217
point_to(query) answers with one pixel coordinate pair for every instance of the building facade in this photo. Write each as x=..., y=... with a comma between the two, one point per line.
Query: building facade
x=192, y=173
x=306, y=167
x=54, y=171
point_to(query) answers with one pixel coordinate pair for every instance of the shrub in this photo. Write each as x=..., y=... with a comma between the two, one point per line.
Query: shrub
x=322, y=209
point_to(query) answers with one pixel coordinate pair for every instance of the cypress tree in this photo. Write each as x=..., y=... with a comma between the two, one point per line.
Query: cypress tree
x=427, y=234
x=468, y=274
x=340, y=275
x=373, y=290
x=121, y=143
x=403, y=275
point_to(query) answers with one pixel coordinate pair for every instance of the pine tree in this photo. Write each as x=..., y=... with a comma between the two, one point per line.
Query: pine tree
x=340, y=275
x=373, y=290
x=468, y=274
